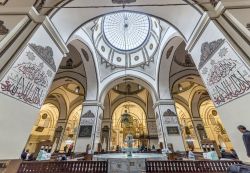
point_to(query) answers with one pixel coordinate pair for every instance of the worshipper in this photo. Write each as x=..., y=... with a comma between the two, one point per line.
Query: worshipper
x=31, y=157
x=24, y=154
x=245, y=137
x=70, y=149
x=65, y=148
x=28, y=155
x=234, y=154
x=117, y=148
x=191, y=155
x=153, y=147
x=41, y=154
x=142, y=148
x=88, y=149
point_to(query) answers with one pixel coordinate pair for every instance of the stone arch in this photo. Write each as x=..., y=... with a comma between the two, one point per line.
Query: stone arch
x=137, y=77
x=90, y=65
x=164, y=64
x=131, y=99
x=179, y=22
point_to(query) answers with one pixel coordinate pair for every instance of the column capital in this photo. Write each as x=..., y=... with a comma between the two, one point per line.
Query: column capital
x=163, y=102
x=93, y=103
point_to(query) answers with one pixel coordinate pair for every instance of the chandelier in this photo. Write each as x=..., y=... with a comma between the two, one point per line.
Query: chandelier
x=126, y=120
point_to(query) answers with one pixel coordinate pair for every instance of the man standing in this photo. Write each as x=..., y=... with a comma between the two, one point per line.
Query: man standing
x=245, y=137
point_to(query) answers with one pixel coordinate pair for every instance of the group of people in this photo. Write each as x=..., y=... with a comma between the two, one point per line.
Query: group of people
x=232, y=153
x=44, y=153
x=26, y=155
x=141, y=148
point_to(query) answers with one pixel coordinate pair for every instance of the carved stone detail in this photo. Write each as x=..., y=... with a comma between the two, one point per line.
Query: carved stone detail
x=3, y=29
x=208, y=49
x=169, y=113
x=46, y=53
x=88, y=114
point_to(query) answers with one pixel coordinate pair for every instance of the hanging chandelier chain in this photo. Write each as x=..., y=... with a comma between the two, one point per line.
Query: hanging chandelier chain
x=125, y=66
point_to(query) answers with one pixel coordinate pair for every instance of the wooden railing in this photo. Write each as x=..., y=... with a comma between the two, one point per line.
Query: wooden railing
x=189, y=166
x=64, y=167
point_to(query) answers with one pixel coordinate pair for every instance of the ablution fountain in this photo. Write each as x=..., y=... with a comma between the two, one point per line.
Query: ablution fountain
x=128, y=162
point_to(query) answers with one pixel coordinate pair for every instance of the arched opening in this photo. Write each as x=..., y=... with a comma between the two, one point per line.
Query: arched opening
x=70, y=133
x=213, y=125
x=128, y=110
x=161, y=57
x=189, y=135
x=194, y=107
x=44, y=128
x=67, y=92
x=129, y=118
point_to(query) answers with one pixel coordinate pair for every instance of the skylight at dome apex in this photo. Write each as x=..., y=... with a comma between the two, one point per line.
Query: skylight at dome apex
x=127, y=38
x=126, y=30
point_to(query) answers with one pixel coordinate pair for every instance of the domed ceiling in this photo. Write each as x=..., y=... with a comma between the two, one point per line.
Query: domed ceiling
x=127, y=39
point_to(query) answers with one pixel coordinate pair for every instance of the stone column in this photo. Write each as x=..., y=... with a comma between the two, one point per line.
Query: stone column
x=90, y=126
x=168, y=127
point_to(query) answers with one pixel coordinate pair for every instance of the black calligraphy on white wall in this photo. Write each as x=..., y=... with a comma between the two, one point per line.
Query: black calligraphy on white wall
x=225, y=75
x=28, y=79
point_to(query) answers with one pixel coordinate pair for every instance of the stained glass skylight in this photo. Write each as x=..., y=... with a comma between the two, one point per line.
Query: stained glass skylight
x=126, y=30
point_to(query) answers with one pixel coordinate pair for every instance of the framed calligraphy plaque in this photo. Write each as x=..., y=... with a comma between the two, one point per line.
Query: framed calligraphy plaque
x=173, y=130
x=85, y=131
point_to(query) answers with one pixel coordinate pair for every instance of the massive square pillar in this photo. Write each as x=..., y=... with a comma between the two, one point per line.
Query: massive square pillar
x=89, y=130
x=169, y=131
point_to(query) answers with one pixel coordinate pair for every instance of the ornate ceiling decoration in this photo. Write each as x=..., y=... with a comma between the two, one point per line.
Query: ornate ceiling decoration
x=126, y=39
x=182, y=87
x=128, y=89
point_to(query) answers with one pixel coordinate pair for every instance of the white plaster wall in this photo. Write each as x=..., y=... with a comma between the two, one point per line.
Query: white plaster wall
x=233, y=114
x=16, y=121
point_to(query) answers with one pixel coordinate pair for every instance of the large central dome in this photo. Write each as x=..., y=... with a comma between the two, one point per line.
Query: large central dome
x=126, y=39
x=127, y=30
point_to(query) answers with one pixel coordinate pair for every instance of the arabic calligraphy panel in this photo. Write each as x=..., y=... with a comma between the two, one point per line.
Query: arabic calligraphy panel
x=28, y=79
x=225, y=75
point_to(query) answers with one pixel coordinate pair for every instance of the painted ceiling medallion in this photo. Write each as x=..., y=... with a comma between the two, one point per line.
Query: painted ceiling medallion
x=126, y=39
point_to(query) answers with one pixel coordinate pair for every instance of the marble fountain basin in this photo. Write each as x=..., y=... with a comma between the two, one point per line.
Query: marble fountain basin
x=121, y=163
